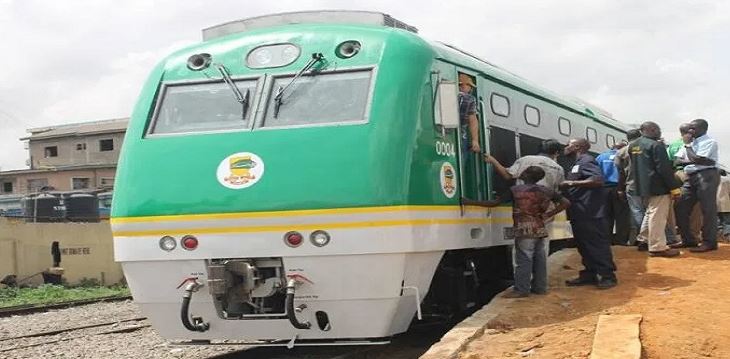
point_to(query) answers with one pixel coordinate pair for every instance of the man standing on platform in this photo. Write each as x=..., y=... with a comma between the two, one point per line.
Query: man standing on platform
x=618, y=213
x=655, y=185
x=701, y=186
x=584, y=189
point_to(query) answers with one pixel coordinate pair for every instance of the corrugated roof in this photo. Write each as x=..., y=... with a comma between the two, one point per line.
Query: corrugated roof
x=78, y=129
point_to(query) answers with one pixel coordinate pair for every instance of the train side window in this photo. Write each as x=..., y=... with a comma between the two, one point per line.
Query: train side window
x=529, y=145
x=532, y=116
x=564, y=126
x=610, y=141
x=591, y=135
x=500, y=105
x=502, y=147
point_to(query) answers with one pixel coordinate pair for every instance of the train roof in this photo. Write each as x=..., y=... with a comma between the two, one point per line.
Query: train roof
x=455, y=55
x=443, y=51
x=350, y=17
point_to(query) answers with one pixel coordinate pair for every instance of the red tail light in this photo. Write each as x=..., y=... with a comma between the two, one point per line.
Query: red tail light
x=293, y=239
x=189, y=242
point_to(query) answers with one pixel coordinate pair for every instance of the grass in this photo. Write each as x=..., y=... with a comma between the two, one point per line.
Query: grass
x=49, y=294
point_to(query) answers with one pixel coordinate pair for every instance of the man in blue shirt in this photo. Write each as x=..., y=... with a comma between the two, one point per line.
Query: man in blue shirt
x=618, y=212
x=700, y=159
x=584, y=188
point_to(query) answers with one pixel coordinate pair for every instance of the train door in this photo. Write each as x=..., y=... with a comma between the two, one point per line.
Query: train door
x=500, y=133
x=472, y=166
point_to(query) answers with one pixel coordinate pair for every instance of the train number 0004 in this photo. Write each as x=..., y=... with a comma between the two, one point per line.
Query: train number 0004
x=445, y=149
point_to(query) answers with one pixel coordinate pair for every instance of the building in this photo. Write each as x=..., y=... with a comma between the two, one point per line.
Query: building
x=72, y=157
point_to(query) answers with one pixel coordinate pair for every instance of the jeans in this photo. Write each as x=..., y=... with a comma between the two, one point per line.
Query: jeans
x=724, y=222
x=530, y=265
x=637, y=207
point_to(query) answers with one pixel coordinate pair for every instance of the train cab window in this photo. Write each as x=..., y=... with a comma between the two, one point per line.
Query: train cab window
x=610, y=141
x=500, y=105
x=564, y=126
x=502, y=147
x=202, y=107
x=328, y=98
x=532, y=116
x=591, y=135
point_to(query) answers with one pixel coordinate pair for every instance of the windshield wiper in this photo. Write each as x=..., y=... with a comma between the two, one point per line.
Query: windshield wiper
x=279, y=98
x=241, y=98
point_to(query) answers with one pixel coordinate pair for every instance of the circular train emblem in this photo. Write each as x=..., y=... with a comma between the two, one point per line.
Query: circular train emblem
x=448, y=180
x=240, y=170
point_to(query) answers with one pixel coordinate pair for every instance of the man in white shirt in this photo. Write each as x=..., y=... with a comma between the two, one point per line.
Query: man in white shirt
x=701, y=158
x=549, y=152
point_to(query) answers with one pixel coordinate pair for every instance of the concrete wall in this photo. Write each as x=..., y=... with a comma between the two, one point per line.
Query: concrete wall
x=86, y=250
x=68, y=154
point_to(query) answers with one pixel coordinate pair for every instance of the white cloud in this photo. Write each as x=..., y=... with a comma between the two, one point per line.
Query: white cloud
x=78, y=60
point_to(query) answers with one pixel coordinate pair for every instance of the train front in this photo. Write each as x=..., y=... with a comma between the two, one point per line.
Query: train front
x=260, y=188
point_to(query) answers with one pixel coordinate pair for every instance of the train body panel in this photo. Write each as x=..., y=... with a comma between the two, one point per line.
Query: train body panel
x=337, y=288
x=320, y=190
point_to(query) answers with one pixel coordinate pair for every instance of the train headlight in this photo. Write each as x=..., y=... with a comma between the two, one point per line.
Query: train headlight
x=167, y=243
x=348, y=49
x=319, y=238
x=268, y=56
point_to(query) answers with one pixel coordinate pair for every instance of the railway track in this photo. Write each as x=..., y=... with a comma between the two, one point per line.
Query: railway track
x=408, y=345
x=18, y=342
x=35, y=308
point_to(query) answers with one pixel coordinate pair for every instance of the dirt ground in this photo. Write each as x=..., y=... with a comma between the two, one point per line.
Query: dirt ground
x=685, y=303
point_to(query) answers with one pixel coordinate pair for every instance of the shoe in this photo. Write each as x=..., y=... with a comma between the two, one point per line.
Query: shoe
x=606, y=283
x=576, y=282
x=538, y=292
x=642, y=247
x=702, y=249
x=515, y=294
x=668, y=253
x=683, y=245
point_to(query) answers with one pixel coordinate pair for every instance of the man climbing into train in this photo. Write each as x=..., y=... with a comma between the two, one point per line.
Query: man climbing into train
x=468, y=115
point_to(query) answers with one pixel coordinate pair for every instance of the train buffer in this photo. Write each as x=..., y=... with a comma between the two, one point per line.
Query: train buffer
x=679, y=305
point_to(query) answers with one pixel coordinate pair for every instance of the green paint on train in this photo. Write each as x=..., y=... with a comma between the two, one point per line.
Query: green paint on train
x=355, y=132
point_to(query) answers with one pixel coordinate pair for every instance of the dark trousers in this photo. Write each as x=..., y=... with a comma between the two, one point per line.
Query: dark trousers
x=594, y=247
x=699, y=187
x=619, y=216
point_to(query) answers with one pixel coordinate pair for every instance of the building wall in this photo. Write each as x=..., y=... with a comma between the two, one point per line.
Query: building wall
x=87, y=250
x=60, y=180
x=68, y=154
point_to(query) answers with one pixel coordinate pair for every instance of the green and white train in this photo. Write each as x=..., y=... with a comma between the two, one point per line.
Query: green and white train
x=296, y=179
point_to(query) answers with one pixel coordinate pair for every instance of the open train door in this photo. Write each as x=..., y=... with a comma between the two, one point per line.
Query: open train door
x=471, y=164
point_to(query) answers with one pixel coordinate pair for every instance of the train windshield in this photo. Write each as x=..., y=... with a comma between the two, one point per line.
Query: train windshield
x=321, y=99
x=201, y=107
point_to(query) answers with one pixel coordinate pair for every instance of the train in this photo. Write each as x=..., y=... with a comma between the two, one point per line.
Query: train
x=297, y=179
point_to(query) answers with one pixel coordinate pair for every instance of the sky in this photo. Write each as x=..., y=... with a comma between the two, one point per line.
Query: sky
x=74, y=61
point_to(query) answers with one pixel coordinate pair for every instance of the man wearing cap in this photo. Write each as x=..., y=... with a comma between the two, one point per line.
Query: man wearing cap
x=468, y=115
